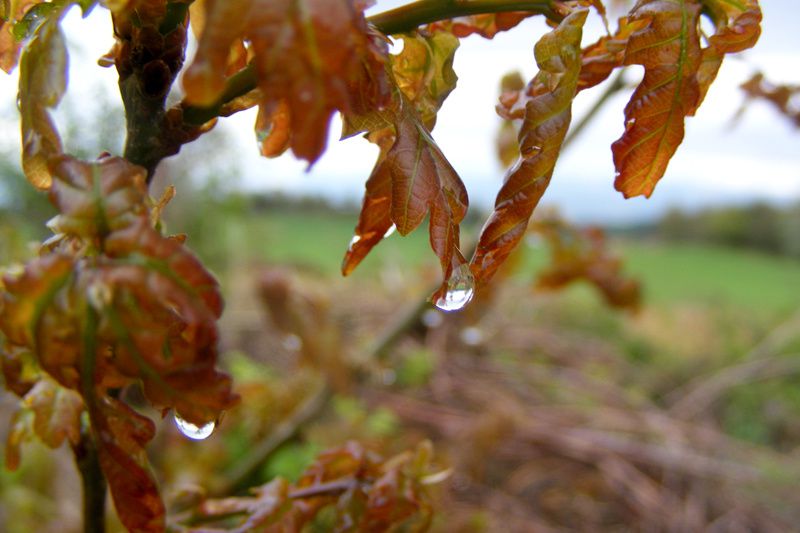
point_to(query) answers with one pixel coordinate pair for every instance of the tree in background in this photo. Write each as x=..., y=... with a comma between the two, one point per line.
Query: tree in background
x=112, y=304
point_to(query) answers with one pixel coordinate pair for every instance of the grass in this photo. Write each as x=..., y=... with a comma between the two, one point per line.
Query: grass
x=671, y=273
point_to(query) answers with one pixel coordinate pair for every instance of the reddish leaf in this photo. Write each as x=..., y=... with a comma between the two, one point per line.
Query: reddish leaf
x=547, y=117
x=375, y=219
x=120, y=436
x=779, y=96
x=316, y=57
x=9, y=46
x=601, y=58
x=669, y=49
x=485, y=25
x=738, y=26
x=583, y=255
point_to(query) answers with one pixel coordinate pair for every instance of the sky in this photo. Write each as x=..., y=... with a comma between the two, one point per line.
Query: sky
x=720, y=161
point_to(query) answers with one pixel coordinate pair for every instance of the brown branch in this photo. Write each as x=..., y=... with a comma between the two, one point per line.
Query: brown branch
x=324, y=489
x=93, y=484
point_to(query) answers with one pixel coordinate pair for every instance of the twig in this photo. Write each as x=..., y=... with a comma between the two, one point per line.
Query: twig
x=93, y=484
x=324, y=489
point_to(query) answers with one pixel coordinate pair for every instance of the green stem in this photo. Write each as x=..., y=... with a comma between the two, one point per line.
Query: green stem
x=400, y=20
x=410, y=16
x=86, y=457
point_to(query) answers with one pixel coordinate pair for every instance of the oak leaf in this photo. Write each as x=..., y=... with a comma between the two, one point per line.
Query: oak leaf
x=669, y=49
x=547, y=114
x=738, y=26
x=316, y=57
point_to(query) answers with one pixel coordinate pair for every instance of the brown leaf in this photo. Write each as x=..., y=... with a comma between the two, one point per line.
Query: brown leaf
x=608, y=53
x=423, y=71
x=738, y=26
x=120, y=435
x=42, y=83
x=316, y=57
x=548, y=113
x=583, y=255
x=486, y=25
x=375, y=219
x=57, y=412
x=669, y=49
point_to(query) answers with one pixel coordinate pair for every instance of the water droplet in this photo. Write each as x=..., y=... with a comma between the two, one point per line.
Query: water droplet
x=194, y=432
x=460, y=289
x=531, y=151
x=292, y=343
x=353, y=242
x=263, y=133
x=390, y=231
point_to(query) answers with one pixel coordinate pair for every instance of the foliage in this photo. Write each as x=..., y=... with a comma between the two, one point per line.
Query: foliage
x=112, y=304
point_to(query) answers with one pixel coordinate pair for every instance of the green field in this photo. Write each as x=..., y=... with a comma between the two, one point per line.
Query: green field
x=670, y=272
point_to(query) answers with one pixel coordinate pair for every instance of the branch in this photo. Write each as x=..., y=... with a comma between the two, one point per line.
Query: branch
x=400, y=20
x=93, y=484
x=410, y=16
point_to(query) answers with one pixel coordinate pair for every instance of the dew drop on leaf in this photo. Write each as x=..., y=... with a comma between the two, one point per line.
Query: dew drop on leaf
x=530, y=151
x=390, y=231
x=353, y=242
x=460, y=289
x=194, y=432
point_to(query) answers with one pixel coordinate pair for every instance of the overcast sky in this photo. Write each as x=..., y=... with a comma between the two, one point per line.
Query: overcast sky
x=719, y=161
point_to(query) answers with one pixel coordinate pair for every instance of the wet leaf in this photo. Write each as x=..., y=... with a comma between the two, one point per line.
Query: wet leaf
x=547, y=106
x=42, y=83
x=669, y=50
x=315, y=57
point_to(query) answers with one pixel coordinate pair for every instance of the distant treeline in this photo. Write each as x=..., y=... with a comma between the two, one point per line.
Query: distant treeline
x=758, y=226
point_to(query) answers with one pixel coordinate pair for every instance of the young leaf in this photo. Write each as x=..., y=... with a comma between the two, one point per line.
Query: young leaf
x=486, y=25
x=375, y=219
x=738, y=26
x=57, y=412
x=120, y=435
x=309, y=55
x=669, y=49
x=424, y=72
x=608, y=53
x=547, y=116
x=42, y=83
x=10, y=46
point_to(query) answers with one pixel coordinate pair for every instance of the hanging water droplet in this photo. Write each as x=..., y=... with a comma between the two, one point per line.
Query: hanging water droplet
x=263, y=133
x=390, y=231
x=194, y=432
x=460, y=289
x=353, y=242
x=530, y=151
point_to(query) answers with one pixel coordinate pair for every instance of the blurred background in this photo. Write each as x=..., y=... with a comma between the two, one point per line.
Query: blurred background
x=552, y=410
